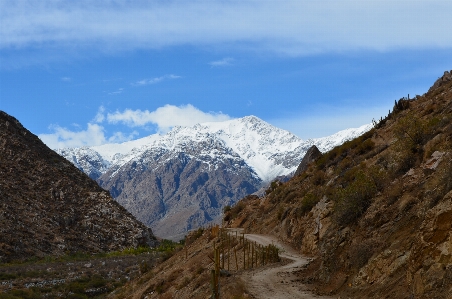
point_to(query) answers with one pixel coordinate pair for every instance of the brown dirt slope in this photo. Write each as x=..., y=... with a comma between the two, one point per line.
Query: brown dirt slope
x=376, y=212
x=49, y=207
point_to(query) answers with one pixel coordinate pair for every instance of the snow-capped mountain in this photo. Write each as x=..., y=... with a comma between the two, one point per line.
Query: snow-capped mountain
x=268, y=150
x=324, y=144
x=183, y=179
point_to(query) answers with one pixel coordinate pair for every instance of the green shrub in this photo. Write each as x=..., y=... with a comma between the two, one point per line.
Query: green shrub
x=411, y=133
x=308, y=202
x=7, y=276
x=167, y=246
x=21, y=294
x=379, y=176
x=275, y=184
x=352, y=201
x=318, y=178
x=365, y=147
x=226, y=209
x=405, y=161
x=293, y=195
x=361, y=252
x=234, y=211
x=193, y=236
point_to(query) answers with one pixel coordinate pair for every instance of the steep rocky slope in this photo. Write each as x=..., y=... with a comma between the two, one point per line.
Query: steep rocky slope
x=49, y=207
x=183, y=179
x=177, y=192
x=376, y=212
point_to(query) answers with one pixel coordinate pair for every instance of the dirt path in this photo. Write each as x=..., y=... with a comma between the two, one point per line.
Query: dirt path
x=278, y=282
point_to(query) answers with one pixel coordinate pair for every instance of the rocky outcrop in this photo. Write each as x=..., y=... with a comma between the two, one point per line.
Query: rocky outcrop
x=311, y=155
x=446, y=77
x=430, y=259
x=49, y=207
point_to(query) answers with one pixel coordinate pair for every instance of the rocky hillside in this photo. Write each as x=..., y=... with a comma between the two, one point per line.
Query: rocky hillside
x=376, y=212
x=182, y=180
x=49, y=207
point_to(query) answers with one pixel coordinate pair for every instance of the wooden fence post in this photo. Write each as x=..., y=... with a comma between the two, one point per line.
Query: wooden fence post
x=244, y=255
x=222, y=257
x=213, y=284
x=236, y=262
x=252, y=255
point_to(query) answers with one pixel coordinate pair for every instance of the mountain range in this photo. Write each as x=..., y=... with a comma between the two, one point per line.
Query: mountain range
x=182, y=180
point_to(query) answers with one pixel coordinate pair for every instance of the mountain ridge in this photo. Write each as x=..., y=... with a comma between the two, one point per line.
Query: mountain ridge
x=108, y=155
x=183, y=179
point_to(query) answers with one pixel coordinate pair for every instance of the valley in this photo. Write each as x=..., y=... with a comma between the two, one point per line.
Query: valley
x=368, y=218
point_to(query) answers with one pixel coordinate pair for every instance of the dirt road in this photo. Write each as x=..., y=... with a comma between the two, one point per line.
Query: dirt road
x=278, y=282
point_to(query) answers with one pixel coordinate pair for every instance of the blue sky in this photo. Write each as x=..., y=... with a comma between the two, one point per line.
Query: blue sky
x=90, y=72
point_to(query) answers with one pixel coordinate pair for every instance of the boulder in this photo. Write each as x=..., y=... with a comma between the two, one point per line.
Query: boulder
x=311, y=155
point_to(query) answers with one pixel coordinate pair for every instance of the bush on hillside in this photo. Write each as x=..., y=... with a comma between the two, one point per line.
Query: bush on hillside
x=273, y=185
x=232, y=212
x=308, y=202
x=412, y=133
x=318, y=178
x=352, y=201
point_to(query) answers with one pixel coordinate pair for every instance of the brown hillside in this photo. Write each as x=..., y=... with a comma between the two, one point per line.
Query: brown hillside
x=49, y=207
x=376, y=212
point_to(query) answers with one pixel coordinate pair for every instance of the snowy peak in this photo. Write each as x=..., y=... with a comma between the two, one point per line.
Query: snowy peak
x=258, y=143
x=269, y=151
x=326, y=143
x=87, y=160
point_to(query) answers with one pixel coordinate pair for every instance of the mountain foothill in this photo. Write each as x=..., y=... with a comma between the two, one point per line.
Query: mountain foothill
x=49, y=207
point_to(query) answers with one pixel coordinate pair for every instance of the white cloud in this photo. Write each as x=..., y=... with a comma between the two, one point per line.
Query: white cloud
x=66, y=79
x=119, y=137
x=291, y=27
x=155, y=80
x=100, y=116
x=165, y=117
x=62, y=137
x=119, y=91
x=223, y=62
x=93, y=135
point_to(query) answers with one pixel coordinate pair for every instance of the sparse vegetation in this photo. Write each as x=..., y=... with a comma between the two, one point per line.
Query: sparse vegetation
x=352, y=201
x=232, y=212
x=193, y=236
x=272, y=187
x=308, y=202
x=361, y=252
x=99, y=274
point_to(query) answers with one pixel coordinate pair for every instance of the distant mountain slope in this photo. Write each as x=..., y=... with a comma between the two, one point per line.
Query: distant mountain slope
x=183, y=179
x=49, y=207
